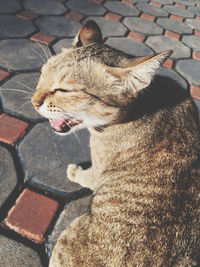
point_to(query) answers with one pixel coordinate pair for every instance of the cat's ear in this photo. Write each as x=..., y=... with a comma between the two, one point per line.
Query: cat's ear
x=89, y=33
x=138, y=73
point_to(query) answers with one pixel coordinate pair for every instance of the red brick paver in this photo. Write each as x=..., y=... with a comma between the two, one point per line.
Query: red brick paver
x=32, y=214
x=197, y=33
x=43, y=38
x=196, y=55
x=27, y=15
x=180, y=5
x=74, y=16
x=137, y=36
x=127, y=2
x=168, y=63
x=173, y=35
x=148, y=17
x=195, y=91
x=176, y=17
x=3, y=75
x=11, y=129
x=155, y=4
x=113, y=16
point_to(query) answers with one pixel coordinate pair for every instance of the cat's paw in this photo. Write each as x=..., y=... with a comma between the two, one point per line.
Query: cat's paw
x=72, y=172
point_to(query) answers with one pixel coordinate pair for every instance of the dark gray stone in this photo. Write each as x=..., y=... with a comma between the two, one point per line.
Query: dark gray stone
x=21, y=54
x=188, y=68
x=45, y=7
x=164, y=2
x=162, y=43
x=129, y=46
x=122, y=9
x=143, y=26
x=172, y=75
x=17, y=102
x=193, y=23
x=71, y=211
x=12, y=26
x=58, y=26
x=178, y=11
x=13, y=253
x=8, y=177
x=174, y=25
x=9, y=6
x=86, y=7
x=109, y=27
x=64, y=43
x=192, y=41
x=152, y=10
x=46, y=155
x=194, y=10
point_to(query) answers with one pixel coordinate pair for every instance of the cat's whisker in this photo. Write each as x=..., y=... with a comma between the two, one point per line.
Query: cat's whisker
x=24, y=85
x=17, y=90
x=76, y=136
x=47, y=57
x=43, y=59
x=49, y=51
x=26, y=103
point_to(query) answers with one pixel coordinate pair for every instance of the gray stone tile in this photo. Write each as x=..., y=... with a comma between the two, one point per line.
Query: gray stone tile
x=86, y=7
x=12, y=26
x=122, y=9
x=143, y=26
x=71, y=211
x=174, y=25
x=164, y=2
x=139, y=1
x=188, y=69
x=172, y=75
x=64, y=43
x=20, y=54
x=13, y=253
x=194, y=10
x=8, y=177
x=152, y=10
x=109, y=27
x=192, y=41
x=193, y=23
x=45, y=7
x=17, y=102
x=58, y=26
x=178, y=11
x=9, y=6
x=187, y=2
x=129, y=46
x=54, y=153
x=162, y=43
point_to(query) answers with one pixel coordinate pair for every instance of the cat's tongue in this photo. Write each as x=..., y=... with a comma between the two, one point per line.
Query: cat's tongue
x=57, y=124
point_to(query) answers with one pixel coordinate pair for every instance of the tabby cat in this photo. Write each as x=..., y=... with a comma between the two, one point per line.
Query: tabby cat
x=145, y=172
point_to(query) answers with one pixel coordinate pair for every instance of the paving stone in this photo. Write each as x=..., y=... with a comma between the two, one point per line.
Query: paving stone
x=168, y=63
x=143, y=26
x=74, y=16
x=17, y=102
x=152, y=10
x=43, y=38
x=27, y=15
x=11, y=129
x=9, y=6
x=192, y=41
x=64, y=43
x=54, y=153
x=196, y=55
x=86, y=7
x=58, y=26
x=176, y=10
x=176, y=17
x=155, y=4
x=164, y=2
x=174, y=25
x=8, y=177
x=45, y=7
x=197, y=33
x=194, y=10
x=173, y=76
x=188, y=69
x=172, y=35
x=113, y=16
x=19, y=54
x=162, y=43
x=128, y=2
x=121, y=8
x=21, y=28
x=13, y=253
x=148, y=17
x=109, y=27
x=193, y=23
x=195, y=91
x=32, y=215
x=137, y=36
x=71, y=211
x=187, y=2
x=129, y=46
x=3, y=75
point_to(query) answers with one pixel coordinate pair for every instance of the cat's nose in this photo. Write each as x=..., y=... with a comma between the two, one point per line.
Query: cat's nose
x=36, y=103
x=38, y=99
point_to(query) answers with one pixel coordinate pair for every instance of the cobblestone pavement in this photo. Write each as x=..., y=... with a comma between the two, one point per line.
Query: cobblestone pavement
x=36, y=199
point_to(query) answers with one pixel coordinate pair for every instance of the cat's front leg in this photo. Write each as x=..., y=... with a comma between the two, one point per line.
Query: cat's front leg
x=85, y=178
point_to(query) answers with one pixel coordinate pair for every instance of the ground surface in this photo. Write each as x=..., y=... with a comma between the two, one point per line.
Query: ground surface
x=36, y=199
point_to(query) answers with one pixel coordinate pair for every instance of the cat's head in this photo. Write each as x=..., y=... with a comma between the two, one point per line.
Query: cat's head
x=91, y=84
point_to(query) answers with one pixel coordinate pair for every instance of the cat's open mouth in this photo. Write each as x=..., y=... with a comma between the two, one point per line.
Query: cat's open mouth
x=63, y=125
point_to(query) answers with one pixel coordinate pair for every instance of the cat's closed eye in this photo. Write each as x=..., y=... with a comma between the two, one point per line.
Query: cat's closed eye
x=59, y=90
